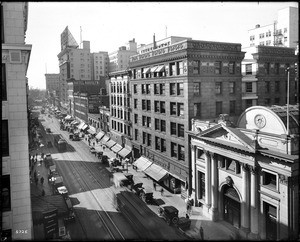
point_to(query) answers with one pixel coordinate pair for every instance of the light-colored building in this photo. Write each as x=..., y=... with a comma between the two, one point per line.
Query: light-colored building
x=265, y=78
x=120, y=110
x=52, y=82
x=119, y=60
x=100, y=62
x=172, y=84
x=283, y=32
x=16, y=215
x=73, y=63
x=248, y=175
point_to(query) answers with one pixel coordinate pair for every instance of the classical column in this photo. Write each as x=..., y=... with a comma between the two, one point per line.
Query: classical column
x=214, y=180
x=194, y=184
x=207, y=179
x=253, y=202
x=245, y=216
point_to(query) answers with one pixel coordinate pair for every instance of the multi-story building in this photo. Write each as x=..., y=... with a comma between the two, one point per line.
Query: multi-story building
x=119, y=60
x=265, y=78
x=248, y=174
x=172, y=84
x=73, y=63
x=104, y=118
x=282, y=32
x=120, y=109
x=16, y=215
x=52, y=82
x=100, y=65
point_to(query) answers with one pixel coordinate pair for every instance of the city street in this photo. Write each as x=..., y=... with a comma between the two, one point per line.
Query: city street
x=90, y=191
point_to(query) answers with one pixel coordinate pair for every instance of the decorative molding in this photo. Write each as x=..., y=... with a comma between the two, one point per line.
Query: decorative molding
x=245, y=167
x=282, y=179
x=229, y=181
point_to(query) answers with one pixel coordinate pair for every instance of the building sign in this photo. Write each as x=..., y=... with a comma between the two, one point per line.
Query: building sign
x=50, y=223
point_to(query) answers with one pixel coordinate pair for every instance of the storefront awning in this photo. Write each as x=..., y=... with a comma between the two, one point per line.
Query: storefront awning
x=124, y=152
x=146, y=70
x=153, y=69
x=85, y=127
x=110, y=143
x=99, y=135
x=91, y=130
x=142, y=163
x=105, y=139
x=160, y=68
x=116, y=148
x=80, y=125
x=156, y=172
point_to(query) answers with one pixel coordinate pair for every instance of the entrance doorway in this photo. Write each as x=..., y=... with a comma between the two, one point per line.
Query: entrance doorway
x=271, y=221
x=232, y=207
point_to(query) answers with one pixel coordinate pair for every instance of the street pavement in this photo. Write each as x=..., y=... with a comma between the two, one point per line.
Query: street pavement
x=211, y=230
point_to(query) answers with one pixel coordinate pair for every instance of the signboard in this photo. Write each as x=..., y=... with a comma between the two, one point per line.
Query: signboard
x=50, y=223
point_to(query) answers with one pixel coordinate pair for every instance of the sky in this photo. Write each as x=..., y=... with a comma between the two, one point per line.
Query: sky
x=109, y=25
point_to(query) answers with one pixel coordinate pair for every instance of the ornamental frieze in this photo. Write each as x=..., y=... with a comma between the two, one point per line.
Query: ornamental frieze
x=214, y=46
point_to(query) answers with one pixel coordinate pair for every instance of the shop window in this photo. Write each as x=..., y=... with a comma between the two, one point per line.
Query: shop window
x=5, y=193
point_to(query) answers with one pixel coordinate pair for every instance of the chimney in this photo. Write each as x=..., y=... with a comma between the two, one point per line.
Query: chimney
x=154, y=43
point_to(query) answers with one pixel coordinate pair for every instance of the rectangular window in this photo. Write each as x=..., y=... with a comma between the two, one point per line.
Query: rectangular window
x=143, y=88
x=173, y=150
x=143, y=104
x=5, y=141
x=201, y=185
x=162, y=125
x=4, y=88
x=162, y=89
x=248, y=103
x=231, y=66
x=173, y=108
x=232, y=87
x=179, y=68
x=148, y=105
x=136, y=134
x=135, y=103
x=172, y=69
x=248, y=86
x=163, y=145
x=196, y=67
x=147, y=88
x=180, y=108
x=157, y=124
x=173, y=128
x=149, y=122
x=156, y=106
x=157, y=143
x=135, y=118
x=232, y=107
x=149, y=139
x=197, y=109
x=135, y=88
x=248, y=69
x=5, y=193
x=267, y=68
x=269, y=179
x=218, y=108
x=144, y=137
x=179, y=88
x=218, y=65
x=162, y=107
x=173, y=89
x=180, y=130
x=267, y=87
x=144, y=121
x=156, y=89
x=197, y=88
x=218, y=88
x=181, y=152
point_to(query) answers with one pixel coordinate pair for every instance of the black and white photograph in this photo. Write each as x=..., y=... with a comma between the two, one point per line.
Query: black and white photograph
x=150, y=121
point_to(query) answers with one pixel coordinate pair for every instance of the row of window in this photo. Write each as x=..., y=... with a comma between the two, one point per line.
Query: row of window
x=249, y=87
x=268, y=34
x=117, y=100
x=177, y=151
x=119, y=88
x=120, y=127
x=267, y=68
x=121, y=114
x=179, y=68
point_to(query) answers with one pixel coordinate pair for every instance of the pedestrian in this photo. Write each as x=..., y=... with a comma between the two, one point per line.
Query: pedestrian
x=162, y=192
x=154, y=186
x=43, y=192
x=201, y=233
x=42, y=180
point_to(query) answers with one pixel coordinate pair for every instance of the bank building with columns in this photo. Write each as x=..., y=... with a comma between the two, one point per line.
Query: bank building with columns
x=247, y=174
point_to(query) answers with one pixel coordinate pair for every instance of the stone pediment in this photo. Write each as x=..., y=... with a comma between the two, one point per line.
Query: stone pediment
x=228, y=136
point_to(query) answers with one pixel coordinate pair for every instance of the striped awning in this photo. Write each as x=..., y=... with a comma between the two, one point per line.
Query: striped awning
x=105, y=139
x=156, y=172
x=110, y=143
x=99, y=135
x=85, y=127
x=91, y=130
x=124, y=152
x=81, y=125
x=142, y=163
x=116, y=148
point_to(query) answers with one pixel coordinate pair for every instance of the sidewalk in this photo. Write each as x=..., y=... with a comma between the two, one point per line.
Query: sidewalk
x=212, y=230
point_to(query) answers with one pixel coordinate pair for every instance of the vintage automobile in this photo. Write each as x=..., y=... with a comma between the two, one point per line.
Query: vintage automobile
x=62, y=191
x=76, y=137
x=169, y=213
x=71, y=215
x=146, y=195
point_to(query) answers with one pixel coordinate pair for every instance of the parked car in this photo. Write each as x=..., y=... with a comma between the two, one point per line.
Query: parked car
x=71, y=215
x=169, y=213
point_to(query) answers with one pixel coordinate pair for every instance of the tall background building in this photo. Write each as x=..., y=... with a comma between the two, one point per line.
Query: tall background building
x=52, y=83
x=99, y=65
x=284, y=31
x=16, y=214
